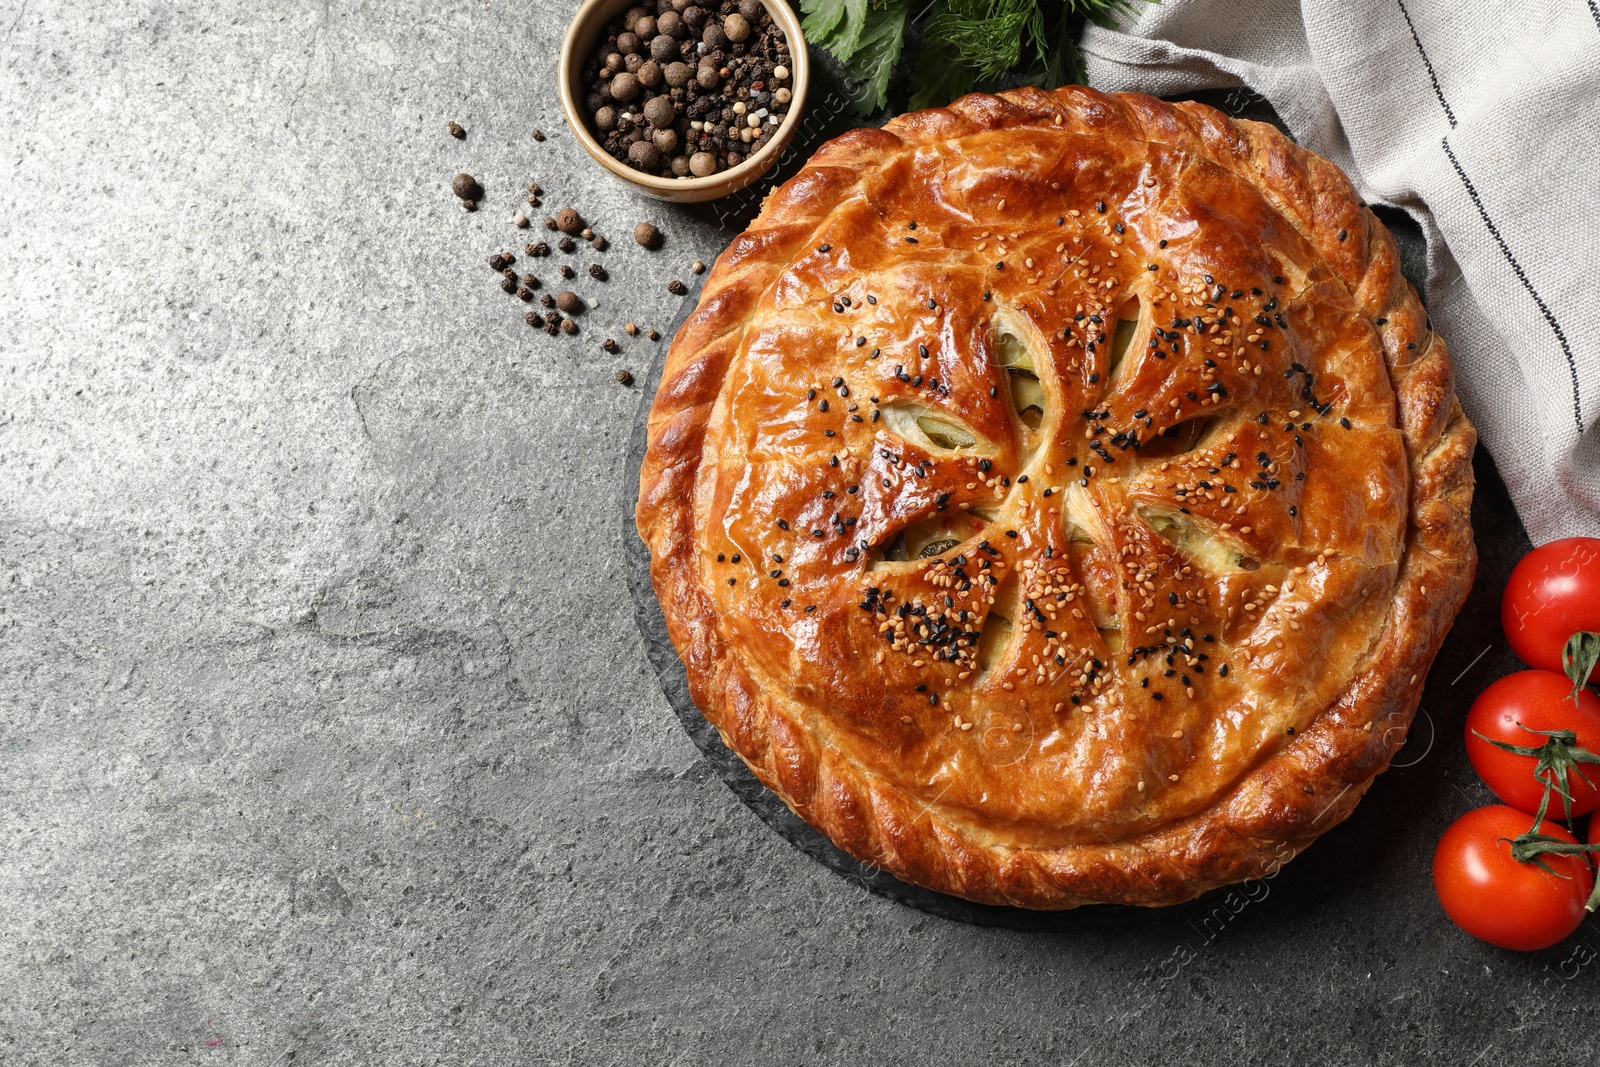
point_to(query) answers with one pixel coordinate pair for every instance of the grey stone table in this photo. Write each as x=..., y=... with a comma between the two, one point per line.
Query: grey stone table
x=326, y=731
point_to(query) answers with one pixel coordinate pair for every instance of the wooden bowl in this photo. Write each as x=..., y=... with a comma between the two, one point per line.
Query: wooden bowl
x=587, y=27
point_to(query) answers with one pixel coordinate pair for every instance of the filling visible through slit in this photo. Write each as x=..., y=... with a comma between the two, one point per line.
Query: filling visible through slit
x=932, y=429
x=1196, y=543
x=1093, y=567
x=933, y=536
x=1028, y=397
x=1012, y=351
x=1123, y=336
x=1176, y=440
x=997, y=628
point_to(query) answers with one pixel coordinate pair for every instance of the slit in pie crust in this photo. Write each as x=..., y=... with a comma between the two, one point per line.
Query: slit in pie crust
x=1059, y=497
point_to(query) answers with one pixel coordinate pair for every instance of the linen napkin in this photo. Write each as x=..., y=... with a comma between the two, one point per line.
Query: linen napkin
x=1482, y=121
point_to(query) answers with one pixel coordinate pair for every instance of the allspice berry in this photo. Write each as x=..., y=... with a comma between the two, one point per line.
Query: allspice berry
x=737, y=27
x=702, y=164
x=671, y=23
x=569, y=221
x=568, y=301
x=647, y=235
x=676, y=75
x=644, y=154
x=624, y=86
x=466, y=187
x=606, y=118
x=659, y=112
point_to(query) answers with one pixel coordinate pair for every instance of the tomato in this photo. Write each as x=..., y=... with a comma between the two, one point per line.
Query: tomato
x=1538, y=700
x=1499, y=900
x=1553, y=592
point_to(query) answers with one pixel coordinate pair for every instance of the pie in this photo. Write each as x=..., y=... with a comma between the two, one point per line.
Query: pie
x=1059, y=498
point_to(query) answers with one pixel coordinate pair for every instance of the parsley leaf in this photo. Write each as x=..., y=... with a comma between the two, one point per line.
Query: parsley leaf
x=877, y=53
x=836, y=25
x=965, y=44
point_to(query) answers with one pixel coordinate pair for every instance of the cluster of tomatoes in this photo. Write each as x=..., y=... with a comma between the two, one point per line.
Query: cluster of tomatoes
x=1515, y=874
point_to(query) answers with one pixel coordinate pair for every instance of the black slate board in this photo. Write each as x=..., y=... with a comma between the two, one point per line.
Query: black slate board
x=1431, y=761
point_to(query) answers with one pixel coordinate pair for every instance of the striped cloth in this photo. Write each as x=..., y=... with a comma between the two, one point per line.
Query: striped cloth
x=1483, y=122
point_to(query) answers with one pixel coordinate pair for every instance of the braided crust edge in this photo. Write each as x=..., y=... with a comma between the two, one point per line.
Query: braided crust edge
x=1294, y=794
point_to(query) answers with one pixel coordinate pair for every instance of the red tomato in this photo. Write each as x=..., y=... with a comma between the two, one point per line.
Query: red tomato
x=1553, y=592
x=1539, y=700
x=1499, y=900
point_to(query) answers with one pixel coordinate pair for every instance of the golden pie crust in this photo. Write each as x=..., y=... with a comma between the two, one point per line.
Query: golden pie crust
x=1024, y=607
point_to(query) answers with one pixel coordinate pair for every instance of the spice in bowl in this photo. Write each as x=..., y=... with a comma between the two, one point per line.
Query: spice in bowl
x=688, y=90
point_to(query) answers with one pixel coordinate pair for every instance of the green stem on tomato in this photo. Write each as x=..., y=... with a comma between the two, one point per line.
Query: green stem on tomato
x=1578, y=658
x=1558, y=756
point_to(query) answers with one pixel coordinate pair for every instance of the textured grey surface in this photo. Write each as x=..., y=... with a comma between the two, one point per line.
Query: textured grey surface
x=326, y=732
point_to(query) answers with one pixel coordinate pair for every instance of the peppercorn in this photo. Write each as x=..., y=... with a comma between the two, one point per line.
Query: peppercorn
x=677, y=288
x=623, y=377
x=457, y=132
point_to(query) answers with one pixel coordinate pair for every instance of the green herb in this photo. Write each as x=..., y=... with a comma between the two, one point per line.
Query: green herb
x=1578, y=658
x=965, y=43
